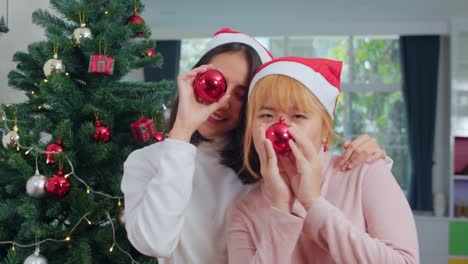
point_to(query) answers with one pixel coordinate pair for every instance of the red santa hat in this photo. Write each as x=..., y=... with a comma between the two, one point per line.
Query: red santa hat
x=227, y=35
x=320, y=76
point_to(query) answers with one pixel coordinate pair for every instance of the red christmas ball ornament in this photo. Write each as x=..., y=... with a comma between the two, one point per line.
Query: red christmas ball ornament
x=278, y=134
x=52, y=149
x=103, y=133
x=150, y=53
x=58, y=185
x=136, y=19
x=210, y=85
x=159, y=136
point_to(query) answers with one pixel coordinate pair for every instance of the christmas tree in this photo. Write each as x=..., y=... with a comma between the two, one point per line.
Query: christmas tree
x=63, y=149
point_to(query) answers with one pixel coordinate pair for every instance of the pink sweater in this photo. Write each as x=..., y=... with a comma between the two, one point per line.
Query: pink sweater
x=362, y=217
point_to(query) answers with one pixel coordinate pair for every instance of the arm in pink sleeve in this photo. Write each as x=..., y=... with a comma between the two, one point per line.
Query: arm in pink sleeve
x=277, y=242
x=391, y=232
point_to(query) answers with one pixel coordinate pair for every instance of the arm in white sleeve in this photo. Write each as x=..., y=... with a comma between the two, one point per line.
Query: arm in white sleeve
x=157, y=185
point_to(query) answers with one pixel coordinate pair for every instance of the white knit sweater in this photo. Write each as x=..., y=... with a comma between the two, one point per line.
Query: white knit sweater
x=176, y=199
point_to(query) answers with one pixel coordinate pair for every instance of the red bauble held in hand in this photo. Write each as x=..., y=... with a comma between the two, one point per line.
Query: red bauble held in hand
x=210, y=85
x=278, y=134
x=58, y=185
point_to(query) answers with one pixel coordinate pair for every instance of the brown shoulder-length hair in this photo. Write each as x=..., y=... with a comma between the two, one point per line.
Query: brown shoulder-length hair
x=283, y=93
x=231, y=154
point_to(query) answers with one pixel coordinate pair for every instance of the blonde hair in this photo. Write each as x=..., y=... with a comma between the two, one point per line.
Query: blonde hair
x=284, y=93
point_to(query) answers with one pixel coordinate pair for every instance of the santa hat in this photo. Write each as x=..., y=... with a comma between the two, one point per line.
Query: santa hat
x=227, y=35
x=320, y=76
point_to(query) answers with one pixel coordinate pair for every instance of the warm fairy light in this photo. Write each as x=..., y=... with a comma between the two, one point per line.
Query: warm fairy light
x=13, y=247
x=106, y=12
x=45, y=80
x=119, y=203
x=87, y=220
x=67, y=238
x=67, y=74
x=111, y=248
x=39, y=107
x=32, y=92
x=88, y=191
x=28, y=151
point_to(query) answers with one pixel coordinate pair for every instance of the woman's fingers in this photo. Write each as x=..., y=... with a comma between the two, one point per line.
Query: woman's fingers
x=303, y=143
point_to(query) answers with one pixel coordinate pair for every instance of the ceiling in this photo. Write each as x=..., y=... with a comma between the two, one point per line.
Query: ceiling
x=186, y=18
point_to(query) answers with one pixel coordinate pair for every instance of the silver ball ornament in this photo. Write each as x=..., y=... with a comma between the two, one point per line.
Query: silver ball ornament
x=82, y=32
x=53, y=66
x=35, y=185
x=35, y=258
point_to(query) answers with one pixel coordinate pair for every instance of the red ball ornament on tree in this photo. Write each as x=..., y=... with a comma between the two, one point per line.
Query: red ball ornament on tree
x=103, y=133
x=136, y=19
x=51, y=149
x=159, y=136
x=278, y=134
x=210, y=85
x=150, y=53
x=58, y=185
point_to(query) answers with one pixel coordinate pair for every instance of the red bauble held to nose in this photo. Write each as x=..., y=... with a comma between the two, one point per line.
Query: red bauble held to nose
x=210, y=85
x=278, y=134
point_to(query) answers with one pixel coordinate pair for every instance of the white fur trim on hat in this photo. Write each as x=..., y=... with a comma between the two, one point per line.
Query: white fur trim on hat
x=232, y=37
x=314, y=81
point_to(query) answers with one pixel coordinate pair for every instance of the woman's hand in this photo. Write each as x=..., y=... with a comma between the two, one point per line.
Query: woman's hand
x=277, y=186
x=191, y=112
x=303, y=167
x=362, y=148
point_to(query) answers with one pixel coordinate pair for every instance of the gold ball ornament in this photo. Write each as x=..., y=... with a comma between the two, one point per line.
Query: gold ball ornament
x=82, y=32
x=53, y=66
x=10, y=138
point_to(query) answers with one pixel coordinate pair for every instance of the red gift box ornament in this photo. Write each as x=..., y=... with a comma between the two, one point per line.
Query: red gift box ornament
x=144, y=129
x=101, y=64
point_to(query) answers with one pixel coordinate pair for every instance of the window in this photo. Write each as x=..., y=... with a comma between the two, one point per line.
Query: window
x=371, y=101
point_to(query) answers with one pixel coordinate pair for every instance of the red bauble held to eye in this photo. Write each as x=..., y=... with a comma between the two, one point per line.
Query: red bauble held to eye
x=210, y=86
x=278, y=134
